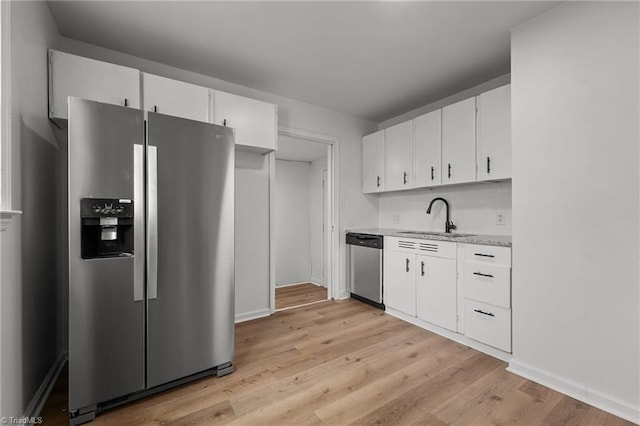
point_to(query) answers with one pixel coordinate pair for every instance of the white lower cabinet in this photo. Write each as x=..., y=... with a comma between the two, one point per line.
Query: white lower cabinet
x=486, y=286
x=463, y=288
x=436, y=291
x=420, y=279
x=399, y=281
x=488, y=324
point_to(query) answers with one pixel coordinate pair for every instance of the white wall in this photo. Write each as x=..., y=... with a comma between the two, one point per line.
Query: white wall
x=251, y=240
x=473, y=208
x=293, y=222
x=316, y=195
x=29, y=274
x=576, y=186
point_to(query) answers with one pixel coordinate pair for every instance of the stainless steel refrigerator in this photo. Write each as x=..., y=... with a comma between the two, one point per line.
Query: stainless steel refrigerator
x=151, y=253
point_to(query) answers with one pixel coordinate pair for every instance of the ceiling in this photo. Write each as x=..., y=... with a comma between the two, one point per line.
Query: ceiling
x=373, y=60
x=295, y=149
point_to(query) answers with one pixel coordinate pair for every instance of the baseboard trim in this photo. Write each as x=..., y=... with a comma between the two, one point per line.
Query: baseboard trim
x=248, y=316
x=317, y=282
x=575, y=390
x=451, y=335
x=36, y=405
x=343, y=294
x=292, y=284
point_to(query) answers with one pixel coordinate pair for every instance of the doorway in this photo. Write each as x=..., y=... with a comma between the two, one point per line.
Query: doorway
x=302, y=225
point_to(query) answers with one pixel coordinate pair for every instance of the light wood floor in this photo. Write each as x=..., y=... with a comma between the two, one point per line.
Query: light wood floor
x=296, y=295
x=343, y=362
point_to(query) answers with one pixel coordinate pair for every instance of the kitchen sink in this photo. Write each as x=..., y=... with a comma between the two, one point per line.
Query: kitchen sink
x=438, y=234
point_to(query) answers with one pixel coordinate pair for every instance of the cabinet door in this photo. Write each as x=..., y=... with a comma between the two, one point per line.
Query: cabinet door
x=427, y=145
x=436, y=290
x=399, y=156
x=255, y=122
x=399, y=281
x=459, y=142
x=71, y=75
x=494, y=134
x=373, y=162
x=173, y=97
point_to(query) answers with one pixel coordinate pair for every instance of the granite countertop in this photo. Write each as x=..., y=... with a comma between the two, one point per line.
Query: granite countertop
x=467, y=238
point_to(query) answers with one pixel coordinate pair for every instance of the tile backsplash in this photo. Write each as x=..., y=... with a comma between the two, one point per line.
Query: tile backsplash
x=474, y=208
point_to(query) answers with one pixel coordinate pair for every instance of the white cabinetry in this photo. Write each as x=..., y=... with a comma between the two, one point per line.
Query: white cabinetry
x=177, y=98
x=487, y=294
x=420, y=279
x=436, y=288
x=399, y=281
x=427, y=146
x=373, y=162
x=494, y=134
x=71, y=75
x=255, y=122
x=459, y=142
x=399, y=156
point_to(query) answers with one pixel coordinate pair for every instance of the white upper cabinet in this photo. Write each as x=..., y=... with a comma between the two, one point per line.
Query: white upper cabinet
x=177, y=98
x=71, y=75
x=399, y=156
x=373, y=162
x=459, y=142
x=494, y=134
x=255, y=122
x=427, y=145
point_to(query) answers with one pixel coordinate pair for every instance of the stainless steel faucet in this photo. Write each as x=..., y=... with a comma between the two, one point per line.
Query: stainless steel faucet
x=448, y=225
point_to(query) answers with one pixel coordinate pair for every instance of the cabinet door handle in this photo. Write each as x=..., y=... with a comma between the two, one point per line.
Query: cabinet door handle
x=407, y=265
x=405, y=178
x=431, y=172
x=483, y=312
x=155, y=108
x=422, y=268
x=488, y=165
x=449, y=171
x=224, y=122
x=126, y=102
x=378, y=182
x=483, y=255
x=483, y=275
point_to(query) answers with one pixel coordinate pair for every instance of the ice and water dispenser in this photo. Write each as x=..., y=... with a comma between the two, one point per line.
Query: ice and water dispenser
x=107, y=227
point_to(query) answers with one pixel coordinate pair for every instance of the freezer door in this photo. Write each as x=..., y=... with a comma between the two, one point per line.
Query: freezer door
x=106, y=323
x=191, y=247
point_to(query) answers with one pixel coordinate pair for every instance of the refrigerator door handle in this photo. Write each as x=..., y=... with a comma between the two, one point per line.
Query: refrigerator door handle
x=138, y=223
x=152, y=223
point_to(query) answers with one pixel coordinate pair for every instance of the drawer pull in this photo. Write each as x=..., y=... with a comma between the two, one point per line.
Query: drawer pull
x=483, y=255
x=483, y=275
x=483, y=312
x=407, y=265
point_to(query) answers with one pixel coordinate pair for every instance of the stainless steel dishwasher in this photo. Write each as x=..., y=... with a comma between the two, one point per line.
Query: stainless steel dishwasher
x=365, y=268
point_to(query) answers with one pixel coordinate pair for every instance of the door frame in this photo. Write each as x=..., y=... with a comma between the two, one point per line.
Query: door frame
x=331, y=209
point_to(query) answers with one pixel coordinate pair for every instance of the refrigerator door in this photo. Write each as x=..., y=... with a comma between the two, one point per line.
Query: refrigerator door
x=190, y=222
x=106, y=323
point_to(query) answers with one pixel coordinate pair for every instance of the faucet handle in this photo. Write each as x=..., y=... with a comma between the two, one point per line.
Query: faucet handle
x=450, y=226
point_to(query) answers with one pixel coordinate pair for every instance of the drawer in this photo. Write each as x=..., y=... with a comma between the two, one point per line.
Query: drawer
x=493, y=255
x=487, y=283
x=488, y=324
x=445, y=249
